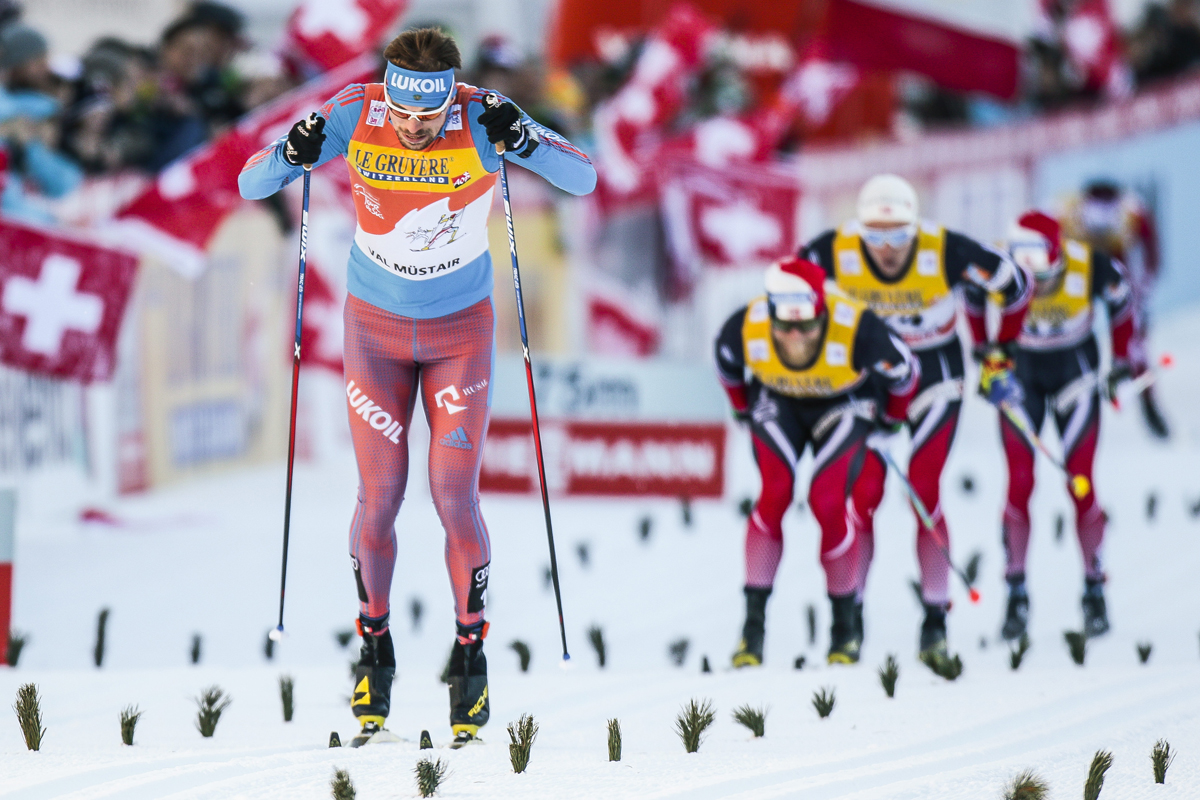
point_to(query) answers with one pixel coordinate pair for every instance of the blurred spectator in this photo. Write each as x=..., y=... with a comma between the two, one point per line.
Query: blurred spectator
x=499, y=67
x=1167, y=42
x=109, y=125
x=29, y=111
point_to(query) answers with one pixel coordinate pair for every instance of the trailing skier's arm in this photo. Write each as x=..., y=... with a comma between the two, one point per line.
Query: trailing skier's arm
x=731, y=364
x=879, y=349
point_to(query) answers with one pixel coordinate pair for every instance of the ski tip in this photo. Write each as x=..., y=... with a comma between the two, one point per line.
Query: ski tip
x=276, y=634
x=974, y=595
x=426, y=741
x=1080, y=486
x=1166, y=360
x=566, y=662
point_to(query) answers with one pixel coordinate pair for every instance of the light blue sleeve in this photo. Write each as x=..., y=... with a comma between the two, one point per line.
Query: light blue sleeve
x=555, y=159
x=267, y=171
x=53, y=173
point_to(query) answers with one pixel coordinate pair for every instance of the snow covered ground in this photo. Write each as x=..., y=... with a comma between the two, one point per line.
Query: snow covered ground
x=204, y=558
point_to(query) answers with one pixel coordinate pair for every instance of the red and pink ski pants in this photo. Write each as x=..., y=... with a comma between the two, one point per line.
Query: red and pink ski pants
x=451, y=357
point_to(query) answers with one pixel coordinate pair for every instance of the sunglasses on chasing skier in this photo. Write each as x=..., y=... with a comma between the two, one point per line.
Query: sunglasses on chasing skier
x=889, y=237
x=802, y=325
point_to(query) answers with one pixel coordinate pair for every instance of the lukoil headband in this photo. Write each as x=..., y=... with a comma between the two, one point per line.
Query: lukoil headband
x=408, y=87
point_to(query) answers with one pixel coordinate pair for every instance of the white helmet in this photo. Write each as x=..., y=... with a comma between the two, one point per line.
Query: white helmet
x=887, y=199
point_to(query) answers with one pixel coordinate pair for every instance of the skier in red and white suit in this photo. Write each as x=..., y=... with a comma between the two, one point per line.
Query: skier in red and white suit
x=1057, y=362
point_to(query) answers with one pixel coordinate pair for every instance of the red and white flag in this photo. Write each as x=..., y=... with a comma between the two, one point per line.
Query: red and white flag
x=61, y=303
x=1093, y=44
x=178, y=214
x=817, y=86
x=329, y=33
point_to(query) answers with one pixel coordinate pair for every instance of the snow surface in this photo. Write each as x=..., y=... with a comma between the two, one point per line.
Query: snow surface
x=204, y=558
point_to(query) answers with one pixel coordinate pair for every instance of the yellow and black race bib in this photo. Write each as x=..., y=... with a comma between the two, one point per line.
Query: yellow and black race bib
x=920, y=306
x=1066, y=315
x=831, y=374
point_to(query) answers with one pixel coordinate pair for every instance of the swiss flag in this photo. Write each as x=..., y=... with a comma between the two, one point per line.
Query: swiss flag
x=1093, y=45
x=321, y=334
x=61, y=303
x=330, y=33
x=177, y=215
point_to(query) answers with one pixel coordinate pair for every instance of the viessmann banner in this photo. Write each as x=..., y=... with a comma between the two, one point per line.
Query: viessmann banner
x=605, y=430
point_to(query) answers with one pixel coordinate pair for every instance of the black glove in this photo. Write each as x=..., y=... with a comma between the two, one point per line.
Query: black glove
x=504, y=124
x=1121, y=371
x=304, y=140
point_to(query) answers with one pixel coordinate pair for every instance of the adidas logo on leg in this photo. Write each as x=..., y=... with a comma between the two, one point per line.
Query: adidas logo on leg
x=457, y=438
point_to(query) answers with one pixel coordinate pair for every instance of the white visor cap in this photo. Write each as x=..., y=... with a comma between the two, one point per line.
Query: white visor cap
x=1030, y=250
x=887, y=199
x=792, y=298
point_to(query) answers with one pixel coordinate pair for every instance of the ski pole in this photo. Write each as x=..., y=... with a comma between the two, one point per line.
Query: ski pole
x=277, y=633
x=927, y=521
x=493, y=101
x=1145, y=380
x=1080, y=485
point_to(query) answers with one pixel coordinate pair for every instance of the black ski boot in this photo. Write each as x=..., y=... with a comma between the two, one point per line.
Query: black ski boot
x=933, y=646
x=858, y=621
x=373, y=676
x=750, y=648
x=1016, y=617
x=469, y=706
x=1095, y=610
x=845, y=641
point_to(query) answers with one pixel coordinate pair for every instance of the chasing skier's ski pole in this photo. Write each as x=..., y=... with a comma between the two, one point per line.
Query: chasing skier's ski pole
x=1080, y=485
x=1143, y=381
x=927, y=521
x=493, y=100
x=277, y=634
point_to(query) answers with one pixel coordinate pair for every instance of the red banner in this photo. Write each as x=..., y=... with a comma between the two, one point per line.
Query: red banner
x=331, y=32
x=607, y=459
x=876, y=38
x=61, y=303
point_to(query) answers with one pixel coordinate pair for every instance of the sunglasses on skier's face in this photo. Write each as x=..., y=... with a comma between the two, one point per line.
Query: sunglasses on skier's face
x=403, y=114
x=802, y=325
x=889, y=237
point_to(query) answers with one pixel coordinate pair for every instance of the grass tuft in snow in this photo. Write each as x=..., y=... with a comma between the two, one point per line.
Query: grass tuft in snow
x=824, y=701
x=584, y=551
x=101, y=625
x=430, y=774
x=1016, y=653
x=129, y=720
x=799, y=662
x=888, y=674
x=1095, y=779
x=685, y=508
x=445, y=676
x=1077, y=644
x=211, y=702
x=1060, y=527
x=948, y=667
x=693, y=720
x=286, y=687
x=971, y=570
x=810, y=614
x=968, y=484
x=915, y=585
x=645, y=527
x=1151, y=506
x=268, y=646
x=705, y=667
x=1160, y=758
x=1143, y=650
x=343, y=637
x=341, y=787
x=197, y=643
x=596, y=637
x=1027, y=785
x=614, y=740
x=522, y=651
x=29, y=715
x=746, y=507
x=415, y=610
x=753, y=718
x=521, y=733
x=16, y=642
x=678, y=650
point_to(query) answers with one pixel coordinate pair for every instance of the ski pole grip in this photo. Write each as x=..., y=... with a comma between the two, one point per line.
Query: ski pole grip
x=492, y=101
